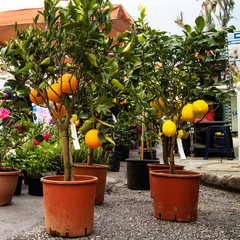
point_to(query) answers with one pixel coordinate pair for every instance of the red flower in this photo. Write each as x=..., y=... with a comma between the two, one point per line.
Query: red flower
x=46, y=137
x=35, y=142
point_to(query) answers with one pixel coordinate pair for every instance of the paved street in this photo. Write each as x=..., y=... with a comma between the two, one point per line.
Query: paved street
x=128, y=214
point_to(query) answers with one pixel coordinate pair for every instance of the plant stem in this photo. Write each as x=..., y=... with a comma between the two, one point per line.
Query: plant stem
x=90, y=156
x=66, y=158
x=172, y=164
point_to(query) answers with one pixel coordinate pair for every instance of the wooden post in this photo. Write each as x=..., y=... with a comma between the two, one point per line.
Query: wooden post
x=143, y=137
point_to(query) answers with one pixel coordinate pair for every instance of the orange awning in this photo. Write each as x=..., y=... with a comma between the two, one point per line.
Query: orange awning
x=24, y=17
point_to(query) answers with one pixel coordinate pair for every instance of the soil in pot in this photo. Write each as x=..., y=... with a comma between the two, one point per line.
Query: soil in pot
x=137, y=173
x=8, y=183
x=69, y=205
x=175, y=196
x=96, y=170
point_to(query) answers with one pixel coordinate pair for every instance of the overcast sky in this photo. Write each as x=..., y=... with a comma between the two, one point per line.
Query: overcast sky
x=161, y=14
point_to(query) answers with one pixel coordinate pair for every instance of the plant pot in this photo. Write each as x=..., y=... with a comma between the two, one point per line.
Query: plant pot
x=96, y=170
x=137, y=173
x=19, y=186
x=175, y=196
x=8, y=183
x=35, y=186
x=158, y=166
x=69, y=205
x=114, y=161
x=147, y=154
x=124, y=151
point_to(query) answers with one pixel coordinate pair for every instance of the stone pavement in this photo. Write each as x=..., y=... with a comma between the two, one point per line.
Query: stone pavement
x=128, y=214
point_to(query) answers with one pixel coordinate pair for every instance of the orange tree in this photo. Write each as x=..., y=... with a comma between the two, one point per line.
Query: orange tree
x=165, y=73
x=65, y=60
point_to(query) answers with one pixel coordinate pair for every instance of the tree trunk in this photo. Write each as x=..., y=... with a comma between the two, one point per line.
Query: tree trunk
x=90, y=156
x=66, y=155
x=165, y=150
x=171, y=160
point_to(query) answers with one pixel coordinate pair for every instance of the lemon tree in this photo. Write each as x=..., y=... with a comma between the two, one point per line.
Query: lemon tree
x=178, y=69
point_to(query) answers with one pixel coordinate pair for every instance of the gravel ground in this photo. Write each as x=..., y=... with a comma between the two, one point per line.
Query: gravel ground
x=129, y=214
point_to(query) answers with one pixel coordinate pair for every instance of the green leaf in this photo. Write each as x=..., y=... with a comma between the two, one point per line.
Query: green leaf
x=92, y=59
x=188, y=28
x=117, y=84
x=42, y=85
x=46, y=61
x=39, y=138
x=110, y=140
x=26, y=68
x=200, y=23
x=105, y=123
x=127, y=48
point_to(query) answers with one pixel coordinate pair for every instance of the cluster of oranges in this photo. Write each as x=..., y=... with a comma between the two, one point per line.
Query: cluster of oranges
x=67, y=84
x=55, y=93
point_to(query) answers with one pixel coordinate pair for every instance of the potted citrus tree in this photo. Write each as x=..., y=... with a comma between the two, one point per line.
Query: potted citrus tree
x=169, y=76
x=62, y=62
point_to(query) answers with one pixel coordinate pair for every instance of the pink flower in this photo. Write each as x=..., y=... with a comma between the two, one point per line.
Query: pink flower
x=46, y=137
x=5, y=95
x=3, y=101
x=35, y=142
x=4, y=113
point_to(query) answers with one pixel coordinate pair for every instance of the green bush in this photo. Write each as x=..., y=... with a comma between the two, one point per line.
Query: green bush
x=36, y=159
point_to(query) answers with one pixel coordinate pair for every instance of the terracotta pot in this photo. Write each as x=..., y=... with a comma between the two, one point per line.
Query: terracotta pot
x=69, y=205
x=96, y=170
x=158, y=166
x=8, y=184
x=175, y=196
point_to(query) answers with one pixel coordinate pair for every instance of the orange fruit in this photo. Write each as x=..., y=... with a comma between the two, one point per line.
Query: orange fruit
x=77, y=123
x=91, y=139
x=54, y=92
x=69, y=83
x=62, y=111
x=35, y=96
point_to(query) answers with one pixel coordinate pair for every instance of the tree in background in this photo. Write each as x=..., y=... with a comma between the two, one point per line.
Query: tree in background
x=216, y=13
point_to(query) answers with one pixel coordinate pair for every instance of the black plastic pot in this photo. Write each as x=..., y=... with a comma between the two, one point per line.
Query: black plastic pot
x=124, y=152
x=114, y=161
x=19, y=186
x=147, y=154
x=137, y=173
x=35, y=186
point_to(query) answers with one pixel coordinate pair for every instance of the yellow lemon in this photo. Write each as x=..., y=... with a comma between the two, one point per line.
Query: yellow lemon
x=169, y=128
x=183, y=134
x=200, y=107
x=158, y=104
x=187, y=113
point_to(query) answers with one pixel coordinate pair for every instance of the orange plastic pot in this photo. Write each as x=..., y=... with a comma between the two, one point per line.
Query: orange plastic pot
x=158, y=166
x=175, y=196
x=8, y=184
x=96, y=170
x=69, y=205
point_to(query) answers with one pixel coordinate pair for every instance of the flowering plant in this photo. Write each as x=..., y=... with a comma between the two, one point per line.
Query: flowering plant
x=16, y=123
